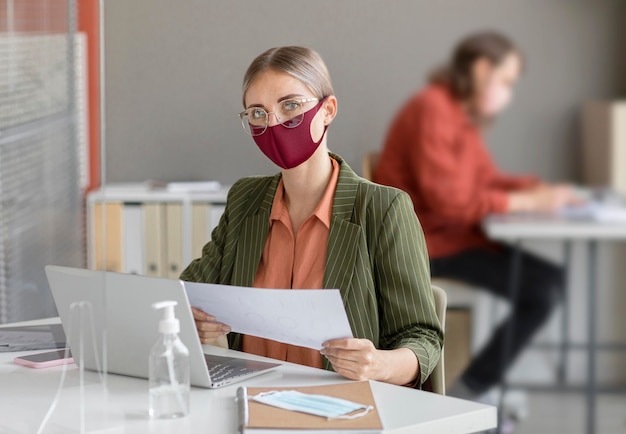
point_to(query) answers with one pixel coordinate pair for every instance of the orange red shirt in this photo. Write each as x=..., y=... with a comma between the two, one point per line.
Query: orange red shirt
x=437, y=155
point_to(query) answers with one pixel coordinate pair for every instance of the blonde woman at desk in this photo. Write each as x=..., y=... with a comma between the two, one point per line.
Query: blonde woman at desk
x=318, y=225
x=435, y=152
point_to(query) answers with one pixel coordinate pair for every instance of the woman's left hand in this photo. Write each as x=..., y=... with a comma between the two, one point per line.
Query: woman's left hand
x=356, y=359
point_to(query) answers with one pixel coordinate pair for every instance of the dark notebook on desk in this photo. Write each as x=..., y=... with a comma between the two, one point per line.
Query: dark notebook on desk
x=30, y=338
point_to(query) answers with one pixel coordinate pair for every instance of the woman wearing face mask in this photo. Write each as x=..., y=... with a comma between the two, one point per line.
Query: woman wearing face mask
x=318, y=225
x=435, y=151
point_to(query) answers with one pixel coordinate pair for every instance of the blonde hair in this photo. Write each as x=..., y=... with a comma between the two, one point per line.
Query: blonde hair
x=301, y=63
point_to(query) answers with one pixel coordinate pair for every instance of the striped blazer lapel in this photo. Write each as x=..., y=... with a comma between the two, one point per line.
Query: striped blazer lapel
x=252, y=237
x=344, y=236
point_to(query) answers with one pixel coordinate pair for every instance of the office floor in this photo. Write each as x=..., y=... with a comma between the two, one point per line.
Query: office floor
x=556, y=413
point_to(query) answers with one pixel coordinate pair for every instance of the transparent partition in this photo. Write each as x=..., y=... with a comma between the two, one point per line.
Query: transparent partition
x=43, y=176
x=88, y=236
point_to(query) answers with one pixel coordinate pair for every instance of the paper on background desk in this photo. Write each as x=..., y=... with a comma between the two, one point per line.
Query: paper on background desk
x=596, y=211
x=305, y=318
x=598, y=204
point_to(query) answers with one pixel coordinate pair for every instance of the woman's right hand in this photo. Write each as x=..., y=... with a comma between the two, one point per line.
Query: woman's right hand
x=543, y=198
x=208, y=328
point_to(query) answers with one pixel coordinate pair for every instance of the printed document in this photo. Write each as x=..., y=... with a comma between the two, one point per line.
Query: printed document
x=302, y=317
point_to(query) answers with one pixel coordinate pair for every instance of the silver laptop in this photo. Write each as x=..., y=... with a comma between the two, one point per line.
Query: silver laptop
x=132, y=324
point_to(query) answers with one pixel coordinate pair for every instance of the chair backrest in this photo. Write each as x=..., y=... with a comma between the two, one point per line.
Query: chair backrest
x=369, y=165
x=438, y=377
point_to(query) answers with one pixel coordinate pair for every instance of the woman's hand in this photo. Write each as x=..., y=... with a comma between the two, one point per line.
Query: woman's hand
x=358, y=359
x=208, y=329
x=543, y=198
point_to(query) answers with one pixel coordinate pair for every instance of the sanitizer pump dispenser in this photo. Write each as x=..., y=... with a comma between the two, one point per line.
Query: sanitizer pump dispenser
x=169, y=368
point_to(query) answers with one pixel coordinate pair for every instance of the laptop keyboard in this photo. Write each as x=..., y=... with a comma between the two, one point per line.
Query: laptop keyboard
x=219, y=372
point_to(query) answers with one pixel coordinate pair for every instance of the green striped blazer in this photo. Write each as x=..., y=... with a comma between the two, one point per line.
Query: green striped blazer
x=376, y=257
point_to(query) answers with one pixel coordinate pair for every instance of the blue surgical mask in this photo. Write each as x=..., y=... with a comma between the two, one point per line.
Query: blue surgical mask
x=319, y=405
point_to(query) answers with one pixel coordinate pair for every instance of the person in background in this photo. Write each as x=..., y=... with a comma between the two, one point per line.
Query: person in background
x=435, y=151
x=317, y=225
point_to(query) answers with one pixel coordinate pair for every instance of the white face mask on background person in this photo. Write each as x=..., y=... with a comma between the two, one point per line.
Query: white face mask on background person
x=496, y=98
x=494, y=84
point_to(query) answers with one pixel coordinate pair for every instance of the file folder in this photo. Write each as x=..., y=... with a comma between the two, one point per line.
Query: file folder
x=259, y=418
x=154, y=239
x=108, y=253
x=174, y=240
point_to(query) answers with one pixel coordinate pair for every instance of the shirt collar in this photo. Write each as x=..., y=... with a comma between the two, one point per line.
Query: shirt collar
x=324, y=209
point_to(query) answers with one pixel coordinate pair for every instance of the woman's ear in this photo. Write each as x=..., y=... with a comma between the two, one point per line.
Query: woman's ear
x=481, y=71
x=329, y=108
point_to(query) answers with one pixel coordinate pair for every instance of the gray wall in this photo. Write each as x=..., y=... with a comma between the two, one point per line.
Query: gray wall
x=174, y=70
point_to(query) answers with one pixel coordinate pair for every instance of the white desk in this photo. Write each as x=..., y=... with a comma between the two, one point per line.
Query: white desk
x=515, y=228
x=545, y=227
x=26, y=394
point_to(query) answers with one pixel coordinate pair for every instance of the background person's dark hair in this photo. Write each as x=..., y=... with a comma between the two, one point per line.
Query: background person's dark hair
x=457, y=74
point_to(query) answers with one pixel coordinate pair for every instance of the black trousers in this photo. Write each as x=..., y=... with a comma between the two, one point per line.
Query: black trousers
x=538, y=292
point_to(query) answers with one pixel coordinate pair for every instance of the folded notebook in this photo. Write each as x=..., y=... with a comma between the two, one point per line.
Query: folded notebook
x=264, y=418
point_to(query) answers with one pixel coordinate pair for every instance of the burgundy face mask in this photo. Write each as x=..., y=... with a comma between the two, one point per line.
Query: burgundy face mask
x=290, y=147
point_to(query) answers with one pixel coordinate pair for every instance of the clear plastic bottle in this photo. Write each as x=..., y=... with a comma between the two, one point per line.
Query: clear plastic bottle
x=169, y=369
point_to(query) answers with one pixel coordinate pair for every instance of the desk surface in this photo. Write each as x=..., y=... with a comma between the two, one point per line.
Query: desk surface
x=515, y=226
x=27, y=394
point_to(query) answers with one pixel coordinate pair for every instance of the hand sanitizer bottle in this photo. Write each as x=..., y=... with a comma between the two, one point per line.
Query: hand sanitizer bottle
x=169, y=369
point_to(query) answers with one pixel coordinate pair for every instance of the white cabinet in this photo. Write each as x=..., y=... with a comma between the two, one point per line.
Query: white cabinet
x=133, y=228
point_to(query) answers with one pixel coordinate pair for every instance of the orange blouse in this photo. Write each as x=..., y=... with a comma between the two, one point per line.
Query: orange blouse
x=294, y=262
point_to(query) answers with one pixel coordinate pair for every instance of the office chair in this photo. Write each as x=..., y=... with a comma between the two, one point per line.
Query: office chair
x=369, y=165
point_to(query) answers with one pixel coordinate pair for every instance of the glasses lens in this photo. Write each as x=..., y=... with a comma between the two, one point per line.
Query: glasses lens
x=254, y=121
x=291, y=113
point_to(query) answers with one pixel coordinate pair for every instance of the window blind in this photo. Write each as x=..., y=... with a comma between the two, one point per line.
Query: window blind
x=40, y=151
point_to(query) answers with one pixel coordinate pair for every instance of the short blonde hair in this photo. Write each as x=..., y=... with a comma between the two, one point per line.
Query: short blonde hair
x=301, y=63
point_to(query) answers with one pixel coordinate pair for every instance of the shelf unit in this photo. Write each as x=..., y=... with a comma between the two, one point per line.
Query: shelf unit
x=147, y=230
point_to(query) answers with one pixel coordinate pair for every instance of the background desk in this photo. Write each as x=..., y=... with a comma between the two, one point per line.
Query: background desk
x=515, y=228
x=27, y=394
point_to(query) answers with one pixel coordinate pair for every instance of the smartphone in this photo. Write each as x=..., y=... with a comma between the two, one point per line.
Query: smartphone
x=45, y=360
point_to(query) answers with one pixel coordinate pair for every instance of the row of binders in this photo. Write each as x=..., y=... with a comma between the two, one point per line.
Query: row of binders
x=147, y=238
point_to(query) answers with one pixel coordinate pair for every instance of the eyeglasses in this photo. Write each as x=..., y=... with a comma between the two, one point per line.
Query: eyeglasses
x=289, y=113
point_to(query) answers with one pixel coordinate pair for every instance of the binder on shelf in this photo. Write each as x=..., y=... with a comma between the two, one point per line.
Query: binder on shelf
x=174, y=240
x=260, y=418
x=154, y=239
x=133, y=238
x=107, y=226
x=215, y=215
x=200, y=233
x=205, y=218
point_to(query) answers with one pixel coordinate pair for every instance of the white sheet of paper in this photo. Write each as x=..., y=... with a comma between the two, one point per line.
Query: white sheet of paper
x=306, y=318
